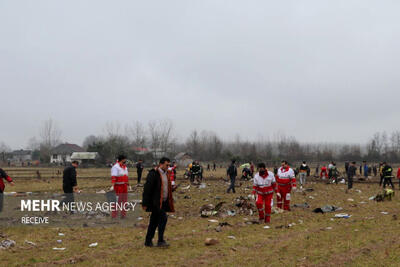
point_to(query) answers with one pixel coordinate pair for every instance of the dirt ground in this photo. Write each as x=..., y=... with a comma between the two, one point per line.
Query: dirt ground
x=297, y=238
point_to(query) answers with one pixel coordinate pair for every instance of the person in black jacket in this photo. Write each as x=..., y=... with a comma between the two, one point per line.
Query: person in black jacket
x=387, y=175
x=232, y=173
x=70, y=184
x=157, y=199
x=139, y=167
x=3, y=175
x=350, y=175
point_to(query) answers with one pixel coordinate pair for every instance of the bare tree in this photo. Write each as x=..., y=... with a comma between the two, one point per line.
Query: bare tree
x=113, y=129
x=50, y=134
x=193, y=144
x=4, y=149
x=161, y=135
x=89, y=140
x=137, y=132
x=33, y=144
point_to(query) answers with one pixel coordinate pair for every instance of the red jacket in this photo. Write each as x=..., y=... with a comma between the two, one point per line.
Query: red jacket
x=3, y=175
x=398, y=173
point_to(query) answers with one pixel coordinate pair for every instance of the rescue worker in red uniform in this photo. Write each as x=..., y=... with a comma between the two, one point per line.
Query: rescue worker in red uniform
x=264, y=187
x=286, y=180
x=172, y=170
x=3, y=175
x=324, y=172
x=120, y=183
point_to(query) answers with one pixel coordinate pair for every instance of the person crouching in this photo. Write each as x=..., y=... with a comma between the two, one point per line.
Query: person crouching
x=264, y=187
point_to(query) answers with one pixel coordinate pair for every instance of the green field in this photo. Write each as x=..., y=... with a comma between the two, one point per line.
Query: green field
x=368, y=238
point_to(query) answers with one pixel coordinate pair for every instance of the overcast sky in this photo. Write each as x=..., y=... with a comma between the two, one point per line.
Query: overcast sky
x=319, y=70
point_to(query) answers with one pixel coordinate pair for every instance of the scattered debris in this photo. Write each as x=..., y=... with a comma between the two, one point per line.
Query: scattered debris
x=61, y=234
x=276, y=210
x=327, y=208
x=202, y=186
x=231, y=213
x=385, y=212
x=309, y=189
x=101, y=192
x=207, y=210
x=328, y=228
x=187, y=197
x=5, y=244
x=140, y=218
x=59, y=249
x=30, y=243
x=231, y=237
x=350, y=199
x=342, y=215
x=310, y=197
x=93, y=245
x=59, y=241
x=304, y=205
x=186, y=188
x=266, y=227
x=211, y=241
x=213, y=221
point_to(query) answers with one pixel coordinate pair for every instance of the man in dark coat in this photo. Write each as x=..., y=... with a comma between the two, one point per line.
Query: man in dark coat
x=70, y=184
x=350, y=175
x=139, y=167
x=232, y=173
x=157, y=199
x=3, y=175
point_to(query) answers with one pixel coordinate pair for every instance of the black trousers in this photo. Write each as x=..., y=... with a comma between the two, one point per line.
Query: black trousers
x=232, y=185
x=380, y=183
x=349, y=182
x=68, y=195
x=139, y=176
x=1, y=201
x=387, y=181
x=158, y=219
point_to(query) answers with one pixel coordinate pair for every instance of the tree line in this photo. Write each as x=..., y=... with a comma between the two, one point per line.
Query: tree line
x=150, y=140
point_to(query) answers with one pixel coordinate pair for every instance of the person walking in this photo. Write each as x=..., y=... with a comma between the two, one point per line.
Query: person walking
x=286, y=181
x=398, y=176
x=232, y=173
x=350, y=175
x=304, y=170
x=264, y=187
x=387, y=175
x=139, y=169
x=366, y=170
x=157, y=199
x=3, y=175
x=120, y=184
x=70, y=185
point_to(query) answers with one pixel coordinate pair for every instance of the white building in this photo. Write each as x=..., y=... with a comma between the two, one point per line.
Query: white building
x=62, y=153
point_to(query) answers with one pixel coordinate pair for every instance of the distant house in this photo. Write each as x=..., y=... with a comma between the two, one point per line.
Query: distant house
x=62, y=153
x=183, y=159
x=21, y=155
x=140, y=150
x=85, y=157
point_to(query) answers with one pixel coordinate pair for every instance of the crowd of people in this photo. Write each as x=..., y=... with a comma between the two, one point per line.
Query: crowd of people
x=160, y=183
